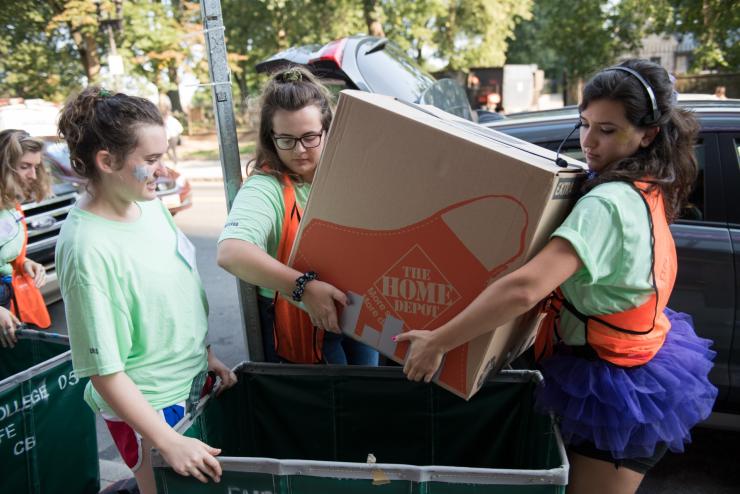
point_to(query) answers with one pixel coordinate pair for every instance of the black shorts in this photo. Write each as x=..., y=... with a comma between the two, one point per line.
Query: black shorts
x=639, y=465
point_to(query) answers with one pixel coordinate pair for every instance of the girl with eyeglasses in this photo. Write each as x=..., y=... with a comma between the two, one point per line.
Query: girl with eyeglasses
x=627, y=376
x=298, y=311
x=22, y=178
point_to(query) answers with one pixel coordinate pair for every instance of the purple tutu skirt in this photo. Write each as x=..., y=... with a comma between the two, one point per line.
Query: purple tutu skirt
x=628, y=410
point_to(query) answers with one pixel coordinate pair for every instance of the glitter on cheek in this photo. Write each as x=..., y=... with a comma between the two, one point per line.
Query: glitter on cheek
x=141, y=173
x=623, y=136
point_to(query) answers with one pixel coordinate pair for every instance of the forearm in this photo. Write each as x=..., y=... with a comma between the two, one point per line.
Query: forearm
x=511, y=295
x=499, y=303
x=122, y=395
x=250, y=263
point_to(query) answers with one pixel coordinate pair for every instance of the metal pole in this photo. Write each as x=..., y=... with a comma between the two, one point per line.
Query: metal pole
x=229, y=151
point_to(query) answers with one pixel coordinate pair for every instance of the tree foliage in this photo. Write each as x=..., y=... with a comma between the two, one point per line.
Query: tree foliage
x=714, y=26
x=456, y=34
x=51, y=47
x=35, y=62
x=575, y=39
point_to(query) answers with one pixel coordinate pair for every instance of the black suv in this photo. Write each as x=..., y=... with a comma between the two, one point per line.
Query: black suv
x=707, y=235
x=375, y=65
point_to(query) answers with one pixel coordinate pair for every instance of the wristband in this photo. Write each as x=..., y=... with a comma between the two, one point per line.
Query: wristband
x=300, y=284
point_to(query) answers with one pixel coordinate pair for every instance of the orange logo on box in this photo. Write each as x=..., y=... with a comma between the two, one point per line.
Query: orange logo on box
x=413, y=289
x=416, y=290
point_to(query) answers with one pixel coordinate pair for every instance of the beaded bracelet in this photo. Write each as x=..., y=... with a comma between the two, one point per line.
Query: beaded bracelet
x=300, y=284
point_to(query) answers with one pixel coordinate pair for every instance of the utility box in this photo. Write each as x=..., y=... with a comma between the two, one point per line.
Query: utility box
x=48, y=441
x=292, y=429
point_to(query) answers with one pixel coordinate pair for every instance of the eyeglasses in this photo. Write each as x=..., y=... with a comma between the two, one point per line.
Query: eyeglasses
x=308, y=141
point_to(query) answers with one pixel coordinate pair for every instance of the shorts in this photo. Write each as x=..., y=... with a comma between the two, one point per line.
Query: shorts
x=128, y=441
x=639, y=465
x=6, y=291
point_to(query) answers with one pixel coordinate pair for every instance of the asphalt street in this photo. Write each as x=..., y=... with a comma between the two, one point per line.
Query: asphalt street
x=710, y=464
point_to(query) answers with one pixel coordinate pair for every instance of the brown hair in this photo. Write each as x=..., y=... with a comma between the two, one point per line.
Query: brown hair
x=289, y=89
x=13, y=145
x=668, y=162
x=97, y=119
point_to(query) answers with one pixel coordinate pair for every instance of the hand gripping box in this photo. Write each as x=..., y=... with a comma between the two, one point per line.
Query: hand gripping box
x=413, y=212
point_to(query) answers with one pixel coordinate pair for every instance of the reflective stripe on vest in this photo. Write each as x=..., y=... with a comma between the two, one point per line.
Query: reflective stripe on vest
x=631, y=337
x=297, y=340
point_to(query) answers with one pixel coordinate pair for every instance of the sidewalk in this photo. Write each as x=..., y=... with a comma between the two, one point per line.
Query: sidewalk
x=202, y=170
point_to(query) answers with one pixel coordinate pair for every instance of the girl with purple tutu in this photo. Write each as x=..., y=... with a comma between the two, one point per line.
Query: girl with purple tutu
x=626, y=375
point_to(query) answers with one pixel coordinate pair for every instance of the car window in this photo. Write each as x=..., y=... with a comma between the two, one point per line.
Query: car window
x=449, y=96
x=575, y=153
x=695, y=207
x=390, y=71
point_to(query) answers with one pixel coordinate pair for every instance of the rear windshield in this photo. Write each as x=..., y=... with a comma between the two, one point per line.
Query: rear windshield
x=390, y=71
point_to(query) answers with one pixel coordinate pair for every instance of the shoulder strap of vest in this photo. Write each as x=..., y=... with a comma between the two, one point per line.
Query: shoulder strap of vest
x=584, y=318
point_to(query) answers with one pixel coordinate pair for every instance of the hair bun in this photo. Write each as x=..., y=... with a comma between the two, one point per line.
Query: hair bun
x=291, y=75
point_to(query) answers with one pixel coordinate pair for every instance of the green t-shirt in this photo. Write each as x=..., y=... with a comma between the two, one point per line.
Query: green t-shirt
x=133, y=303
x=610, y=230
x=11, y=239
x=256, y=215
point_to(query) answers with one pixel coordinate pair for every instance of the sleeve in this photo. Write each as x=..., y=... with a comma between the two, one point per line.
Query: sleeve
x=99, y=331
x=594, y=229
x=10, y=242
x=257, y=213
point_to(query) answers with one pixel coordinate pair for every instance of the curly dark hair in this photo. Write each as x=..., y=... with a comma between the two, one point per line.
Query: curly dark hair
x=291, y=89
x=97, y=119
x=668, y=162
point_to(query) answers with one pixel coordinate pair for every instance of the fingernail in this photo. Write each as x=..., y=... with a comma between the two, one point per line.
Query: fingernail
x=394, y=338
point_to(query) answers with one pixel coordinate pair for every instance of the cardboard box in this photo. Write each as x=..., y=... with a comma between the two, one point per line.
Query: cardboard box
x=413, y=212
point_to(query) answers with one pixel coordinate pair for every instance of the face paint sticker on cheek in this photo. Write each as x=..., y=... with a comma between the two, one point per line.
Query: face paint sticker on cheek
x=141, y=173
x=623, y=136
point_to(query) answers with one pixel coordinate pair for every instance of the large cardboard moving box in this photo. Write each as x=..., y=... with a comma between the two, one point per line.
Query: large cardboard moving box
x=413, y=212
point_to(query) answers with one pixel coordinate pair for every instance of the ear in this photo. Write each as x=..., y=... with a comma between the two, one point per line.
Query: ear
x=104, y=161
x=649, y=136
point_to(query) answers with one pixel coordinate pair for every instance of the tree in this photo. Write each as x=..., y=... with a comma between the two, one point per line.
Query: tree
x=256, y=29
x=475, y=32
x=157, y=41
x=37, y=62
x=575, y=39
x=456, y=33
x=714, y=25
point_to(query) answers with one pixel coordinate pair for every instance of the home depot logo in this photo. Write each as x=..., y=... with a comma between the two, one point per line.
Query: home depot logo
x=416, y=290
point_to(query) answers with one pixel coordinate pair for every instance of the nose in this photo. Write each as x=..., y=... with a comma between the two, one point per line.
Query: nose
x=296, y=148
x=587, y=138
x=161, y=169
x=32, y=173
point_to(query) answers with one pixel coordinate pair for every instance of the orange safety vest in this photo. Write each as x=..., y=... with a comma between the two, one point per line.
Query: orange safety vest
x=27, y=302
x=297, y=340
x=634, y=336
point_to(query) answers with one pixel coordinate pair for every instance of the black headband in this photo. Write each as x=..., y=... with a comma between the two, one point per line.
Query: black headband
x=653, y=118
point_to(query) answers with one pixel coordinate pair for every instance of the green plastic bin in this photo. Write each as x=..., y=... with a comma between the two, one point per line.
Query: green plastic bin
x=48, y=442
x=290, y=429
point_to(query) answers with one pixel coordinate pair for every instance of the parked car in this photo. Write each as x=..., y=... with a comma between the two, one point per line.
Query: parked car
x=375, y=65
x=707, y=235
